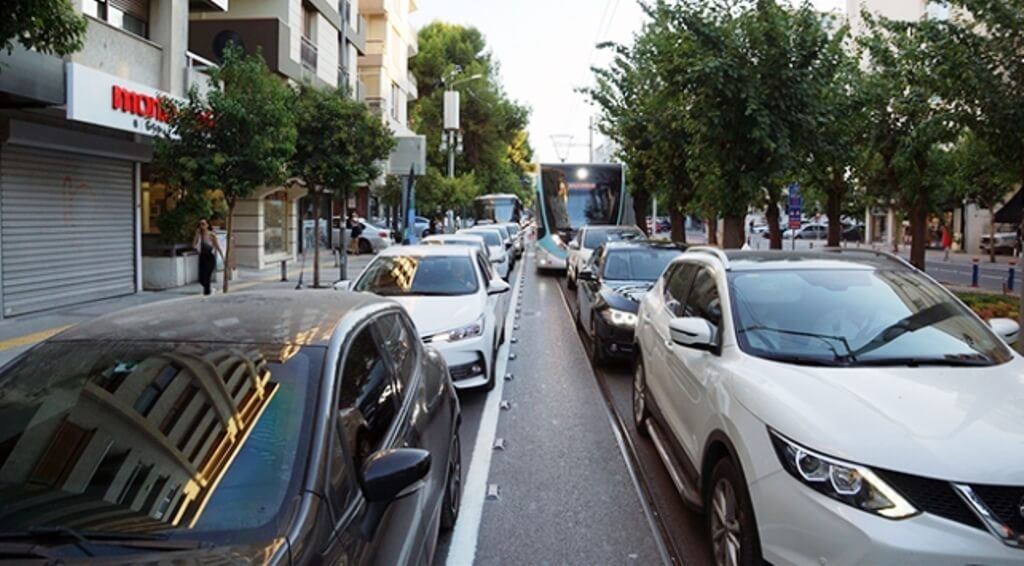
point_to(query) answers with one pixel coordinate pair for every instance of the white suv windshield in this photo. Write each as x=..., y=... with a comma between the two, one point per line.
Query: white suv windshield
x=857, y=317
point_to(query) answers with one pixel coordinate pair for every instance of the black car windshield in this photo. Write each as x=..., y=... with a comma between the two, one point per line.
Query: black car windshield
x=491, y=237
x=594, y=237
x=857, y=317
x=419, y=275
x=197, y=441
x=639, y=264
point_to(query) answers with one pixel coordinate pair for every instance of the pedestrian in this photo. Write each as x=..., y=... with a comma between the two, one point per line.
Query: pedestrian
x=947, y=240
x=356, y=230
x=206, y=243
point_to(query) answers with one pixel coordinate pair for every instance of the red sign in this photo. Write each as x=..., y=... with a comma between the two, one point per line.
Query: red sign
x=141, y=105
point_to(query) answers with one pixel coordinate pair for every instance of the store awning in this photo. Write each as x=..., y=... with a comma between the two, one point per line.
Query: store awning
x=1012, y=211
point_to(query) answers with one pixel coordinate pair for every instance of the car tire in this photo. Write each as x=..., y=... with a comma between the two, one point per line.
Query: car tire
x=365, y=247
x=493, y=370
x=640, y=411
x=732, y=529
x=453, y=486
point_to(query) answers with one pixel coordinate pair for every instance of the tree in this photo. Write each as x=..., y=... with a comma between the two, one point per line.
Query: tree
x=496, y=149
x=47, y=26
x=981, y=177
x=236, y=139
x=339, y=143
x=911, y=126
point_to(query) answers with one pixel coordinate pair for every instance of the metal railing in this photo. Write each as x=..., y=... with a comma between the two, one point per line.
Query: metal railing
x=197, y=72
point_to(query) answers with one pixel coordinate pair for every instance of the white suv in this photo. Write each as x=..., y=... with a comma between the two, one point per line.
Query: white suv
x=833, y=407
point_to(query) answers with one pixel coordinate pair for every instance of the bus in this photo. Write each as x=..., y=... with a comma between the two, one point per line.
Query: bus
x=498, y=208
x=570, y=196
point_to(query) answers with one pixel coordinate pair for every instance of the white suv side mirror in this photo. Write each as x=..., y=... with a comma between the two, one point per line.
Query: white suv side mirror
x=1006, y=328
x=498, y=287
x=574, y=245
x=343, y=285
x=692, y=332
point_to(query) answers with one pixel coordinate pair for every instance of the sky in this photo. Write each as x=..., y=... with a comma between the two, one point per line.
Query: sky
x=545, y=49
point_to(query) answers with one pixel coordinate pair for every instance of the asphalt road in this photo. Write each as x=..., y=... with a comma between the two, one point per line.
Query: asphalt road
x=571, y=482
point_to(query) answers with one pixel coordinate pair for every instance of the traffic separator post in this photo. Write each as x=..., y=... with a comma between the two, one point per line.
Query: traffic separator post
x=974, y=272
x=1011, y=275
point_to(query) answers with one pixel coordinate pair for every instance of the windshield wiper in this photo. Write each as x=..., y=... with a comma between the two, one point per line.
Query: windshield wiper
x=922, y=319
x=805, y=360
x=951, y=361
x=823, y=337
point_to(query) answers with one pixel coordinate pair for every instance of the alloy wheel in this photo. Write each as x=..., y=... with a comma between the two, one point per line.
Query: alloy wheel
x=639, y=402
x=455, y=477
x=725, y=525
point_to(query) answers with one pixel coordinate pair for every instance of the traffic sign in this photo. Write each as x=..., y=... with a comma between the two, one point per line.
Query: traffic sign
x=795, y=207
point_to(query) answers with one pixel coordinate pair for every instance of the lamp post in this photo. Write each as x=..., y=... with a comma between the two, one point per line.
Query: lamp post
x=451, y=139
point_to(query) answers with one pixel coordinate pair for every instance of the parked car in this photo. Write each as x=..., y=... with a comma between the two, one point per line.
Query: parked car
x=457, y=301
x=1006, y=242
x=588, y=239
x=471, y=240
x=609, y=290
x=810, y=232
x=516, y=233
x=832, y=407
x=372, y=238
x=268, y=428
x=499, y=255
x=853, y=233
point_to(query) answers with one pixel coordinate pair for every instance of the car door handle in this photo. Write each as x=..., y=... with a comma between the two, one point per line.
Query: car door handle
x=669, y=343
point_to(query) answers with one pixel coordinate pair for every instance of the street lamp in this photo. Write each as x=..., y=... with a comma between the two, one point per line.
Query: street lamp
x=451, y=140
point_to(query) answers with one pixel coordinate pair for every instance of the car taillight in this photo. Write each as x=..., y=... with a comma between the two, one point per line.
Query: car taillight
x=383, y=235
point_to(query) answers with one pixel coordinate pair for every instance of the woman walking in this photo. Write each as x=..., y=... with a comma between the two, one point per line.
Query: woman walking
x=205, y=242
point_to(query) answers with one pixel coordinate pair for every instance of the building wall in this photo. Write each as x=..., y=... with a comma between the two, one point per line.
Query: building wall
x=390, y=41
x=120, y=53
x=327, y=50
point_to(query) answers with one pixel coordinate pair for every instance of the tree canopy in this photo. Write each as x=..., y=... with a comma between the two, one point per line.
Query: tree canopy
x=496, y=149
x=47, y=26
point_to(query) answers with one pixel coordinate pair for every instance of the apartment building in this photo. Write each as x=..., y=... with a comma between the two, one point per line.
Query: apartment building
x=74, y=144
x=967, y=220
x=311, y=42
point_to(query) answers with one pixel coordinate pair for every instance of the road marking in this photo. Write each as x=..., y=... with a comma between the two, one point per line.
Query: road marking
x=29, y=339
x=462, y=550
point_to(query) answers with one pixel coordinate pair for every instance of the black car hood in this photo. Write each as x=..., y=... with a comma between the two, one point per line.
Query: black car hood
x=228, y=554
x=625, y=295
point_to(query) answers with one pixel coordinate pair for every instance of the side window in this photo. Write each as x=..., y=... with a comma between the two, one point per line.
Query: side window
x=400, y=342
x=704, y=301
x=596, y=261
x=367, y=404
x=678, y=287
x=485, y=268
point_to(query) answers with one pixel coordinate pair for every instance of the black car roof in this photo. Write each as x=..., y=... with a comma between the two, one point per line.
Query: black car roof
x=275, y=317
x=644, y=244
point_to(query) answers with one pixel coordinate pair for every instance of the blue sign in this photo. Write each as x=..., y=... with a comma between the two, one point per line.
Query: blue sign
x=795, y=207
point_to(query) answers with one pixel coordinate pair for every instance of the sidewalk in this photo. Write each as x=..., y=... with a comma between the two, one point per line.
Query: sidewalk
x=20, y=333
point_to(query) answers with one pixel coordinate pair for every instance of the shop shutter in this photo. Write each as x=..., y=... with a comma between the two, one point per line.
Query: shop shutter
x=67, y=229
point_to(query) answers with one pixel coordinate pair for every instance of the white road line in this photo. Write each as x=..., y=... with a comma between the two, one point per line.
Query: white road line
x=462, y=550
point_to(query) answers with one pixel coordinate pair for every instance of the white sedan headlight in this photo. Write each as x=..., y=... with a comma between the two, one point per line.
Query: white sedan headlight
x=849, y=483
x=461, y=333
x=619, y=318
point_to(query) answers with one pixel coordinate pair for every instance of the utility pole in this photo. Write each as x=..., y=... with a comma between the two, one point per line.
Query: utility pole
x=590, y=129
x=451, y=141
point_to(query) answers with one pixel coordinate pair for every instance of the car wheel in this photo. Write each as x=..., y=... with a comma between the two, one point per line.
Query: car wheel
x=640, y=412
x=494, y=367
x=597, y=354
x=453, y=486
x=731, y=524
x=364, y=246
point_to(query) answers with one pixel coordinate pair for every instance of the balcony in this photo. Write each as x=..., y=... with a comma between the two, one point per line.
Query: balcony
x=374, y=7
x=357, y=35
x=377, y=105
x=361, y=91
x=308, y=56
x=197, y=73
x=208, y=6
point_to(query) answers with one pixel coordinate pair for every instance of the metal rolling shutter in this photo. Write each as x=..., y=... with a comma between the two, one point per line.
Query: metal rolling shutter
x=67, y=229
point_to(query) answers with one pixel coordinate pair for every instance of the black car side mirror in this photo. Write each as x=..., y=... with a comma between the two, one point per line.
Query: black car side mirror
x=389, y=473
x=586, y=275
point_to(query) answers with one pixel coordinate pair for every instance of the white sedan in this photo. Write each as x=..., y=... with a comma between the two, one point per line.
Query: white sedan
x=495, y=242
x=459, y=306
x=833, y=407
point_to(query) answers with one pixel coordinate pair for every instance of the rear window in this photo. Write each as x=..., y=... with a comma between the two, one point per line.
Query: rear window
x=415, y=275
x=490, y=237
x=594, y=238
x=137, y=436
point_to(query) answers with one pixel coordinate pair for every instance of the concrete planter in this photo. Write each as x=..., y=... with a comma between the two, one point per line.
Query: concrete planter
x=159, y=273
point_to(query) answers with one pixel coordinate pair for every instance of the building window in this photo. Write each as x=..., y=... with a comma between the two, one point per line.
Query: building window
x=938, y=11
x=275, y=218
x=129, y=15
x=308, y=22
x=151, y=394
x=396, y=96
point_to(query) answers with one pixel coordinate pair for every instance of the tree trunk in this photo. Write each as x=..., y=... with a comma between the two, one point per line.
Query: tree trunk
x=771, y=213
x=641, y=202
x=833, y=208
x=712, y=231
x=992, y=235
x=733, y=238
x=918, y=233
x=229, y=256
x=316, y=239
x=678, y=222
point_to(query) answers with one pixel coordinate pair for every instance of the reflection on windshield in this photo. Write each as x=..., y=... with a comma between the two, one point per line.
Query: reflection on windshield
x=411, y=275
x=150, y=437
x=857, y=317
x=638, y=264
x=497, y=209
x=595, y=238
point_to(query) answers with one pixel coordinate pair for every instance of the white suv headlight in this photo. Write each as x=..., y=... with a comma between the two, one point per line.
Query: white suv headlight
x=619, y=318
x=461, y=333
x=849, y=483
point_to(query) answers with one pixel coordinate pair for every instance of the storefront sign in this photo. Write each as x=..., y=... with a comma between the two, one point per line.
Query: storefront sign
x=105, y=100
